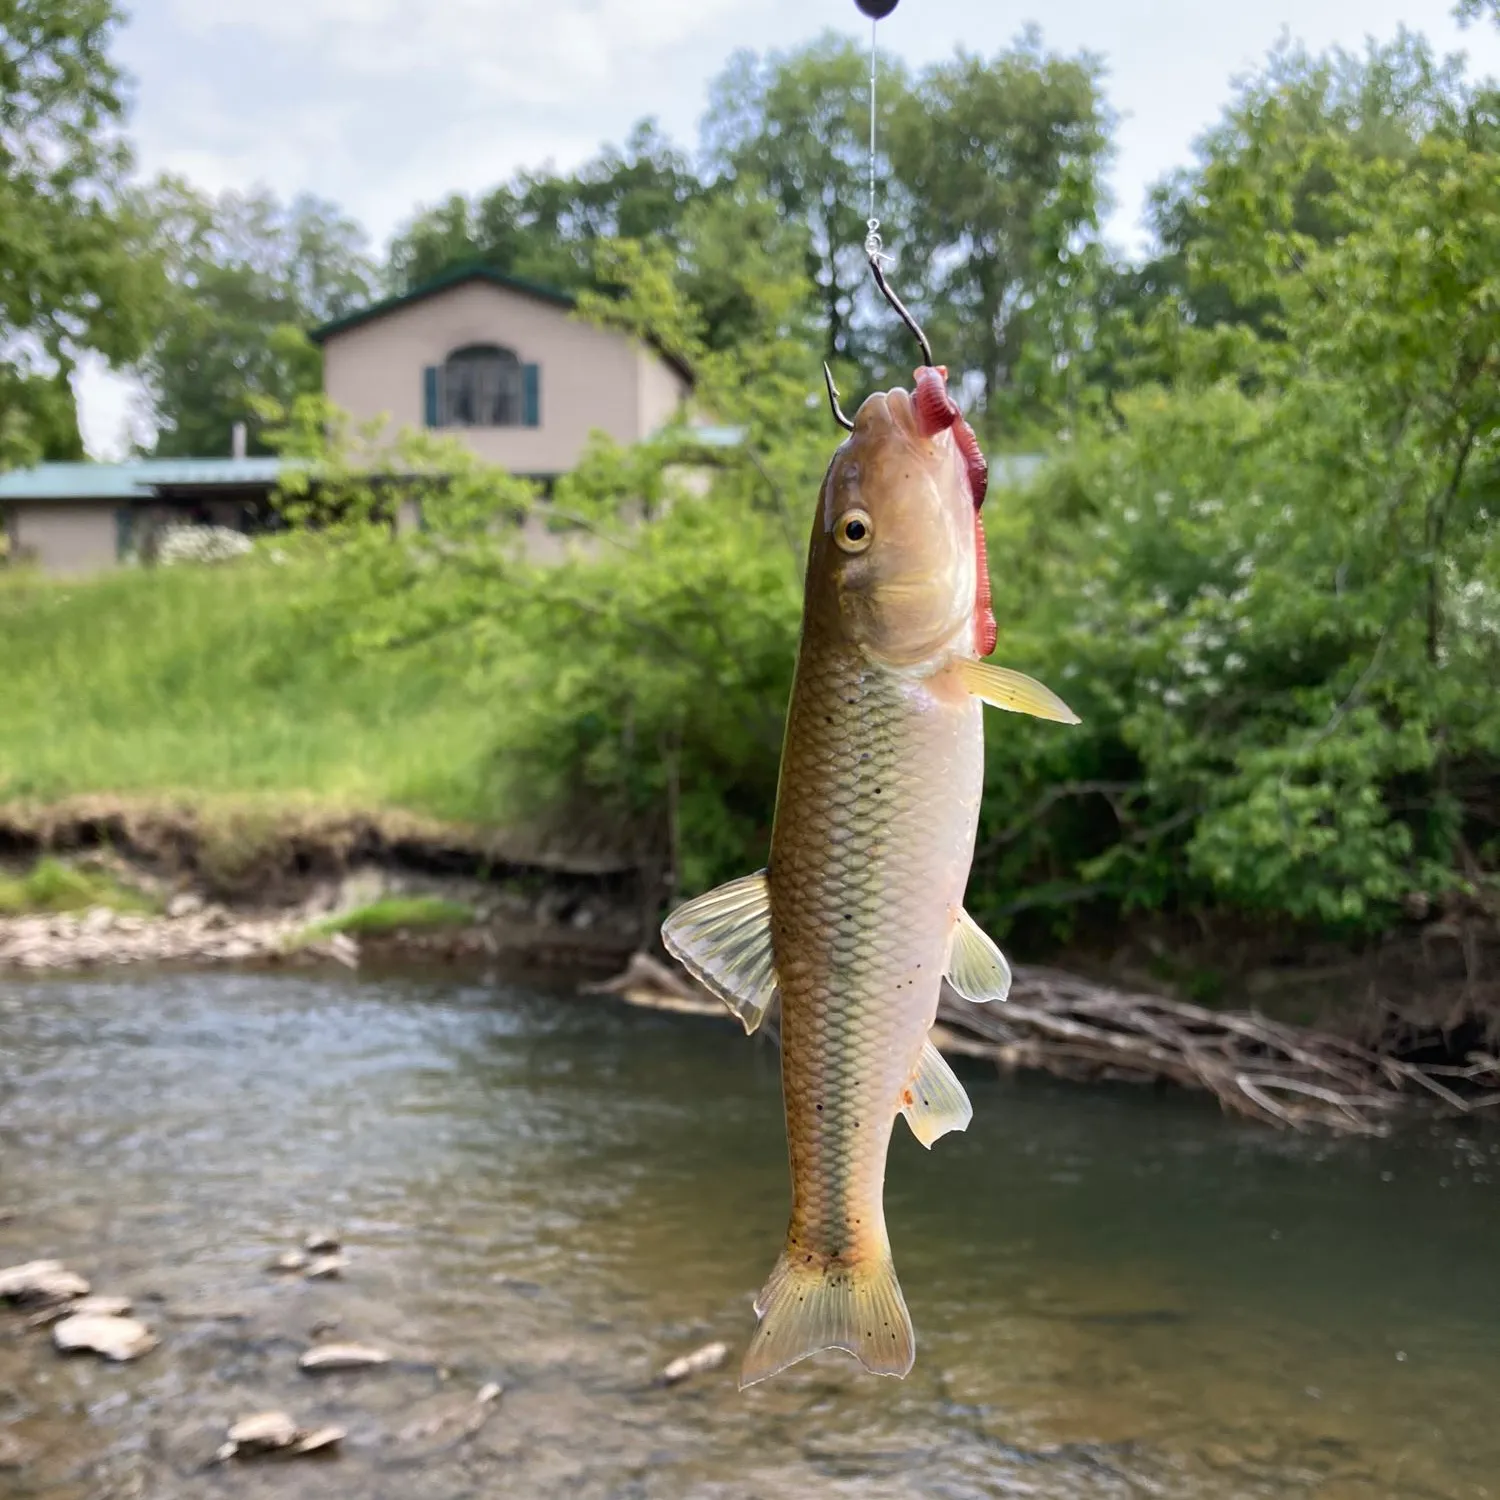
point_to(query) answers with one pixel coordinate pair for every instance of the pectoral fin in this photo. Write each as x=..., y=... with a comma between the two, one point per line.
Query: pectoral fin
x=1014, y=691
x=934, y=1102
x=723, y=939
x=976, y=967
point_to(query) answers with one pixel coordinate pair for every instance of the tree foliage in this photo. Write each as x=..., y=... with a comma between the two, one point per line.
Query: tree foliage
x=544, y=226
x=248, y=278
x=73, y=275
x=1005, y=157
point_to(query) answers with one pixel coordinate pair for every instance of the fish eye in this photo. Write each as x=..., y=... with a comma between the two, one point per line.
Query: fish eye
x=854, y=531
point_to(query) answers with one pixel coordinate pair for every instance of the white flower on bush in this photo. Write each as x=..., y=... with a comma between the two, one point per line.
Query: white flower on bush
x=200, y=544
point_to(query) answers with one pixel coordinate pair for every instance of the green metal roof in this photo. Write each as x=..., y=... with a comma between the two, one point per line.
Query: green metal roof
x=456, y=276
x=138, y=479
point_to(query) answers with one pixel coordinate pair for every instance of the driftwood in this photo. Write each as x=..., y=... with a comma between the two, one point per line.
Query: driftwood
x=1073, y=1028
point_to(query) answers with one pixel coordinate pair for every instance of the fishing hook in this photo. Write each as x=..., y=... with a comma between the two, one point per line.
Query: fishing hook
x=895, y=301
x=833, y=400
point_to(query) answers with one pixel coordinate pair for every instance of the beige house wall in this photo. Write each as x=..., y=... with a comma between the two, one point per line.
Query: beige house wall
x=588, y=377
x=64, y=538
x=660, y=392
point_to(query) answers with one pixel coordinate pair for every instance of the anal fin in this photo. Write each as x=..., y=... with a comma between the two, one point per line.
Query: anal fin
x=934, y=1101
x=723, y=939
x=976, y=967
x=1015, y=692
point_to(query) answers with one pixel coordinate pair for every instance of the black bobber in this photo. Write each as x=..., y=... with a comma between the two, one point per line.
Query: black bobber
x=877, y=10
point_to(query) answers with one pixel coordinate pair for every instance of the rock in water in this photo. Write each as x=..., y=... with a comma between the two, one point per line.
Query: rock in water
x=275, y=1432
x=326, y=1358
x=326, y=1268
x=266, y=1429
x=119, y=1339
x=41, y=1283
x=289, y=1260
x=96, y=1307
x=315, y=1442
x=699, y=1362
x=322, y=1242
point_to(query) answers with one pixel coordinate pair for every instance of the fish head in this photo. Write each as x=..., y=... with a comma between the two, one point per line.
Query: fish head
x=897, y=544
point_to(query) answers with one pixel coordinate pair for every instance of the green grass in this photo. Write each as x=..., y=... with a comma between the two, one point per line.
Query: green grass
x=231, y=682
x=56, y=887
x=394, y=914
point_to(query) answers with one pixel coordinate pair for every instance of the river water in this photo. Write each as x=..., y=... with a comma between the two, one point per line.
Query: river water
x=1115, y=1293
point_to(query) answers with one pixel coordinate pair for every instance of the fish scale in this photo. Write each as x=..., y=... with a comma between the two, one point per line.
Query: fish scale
x=880, y=796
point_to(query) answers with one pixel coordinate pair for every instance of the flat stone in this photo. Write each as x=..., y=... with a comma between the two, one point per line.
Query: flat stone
x=266, y=1429
x=699, y=1362
x=118, y=1339
x=328, y=1358
x=318, y=1441
x=289, y=1260
x=97, y=1307
x=102, y=1307
x=41, y=1283
x=322, y=1242
x=274, y=1432
x=326, y=1268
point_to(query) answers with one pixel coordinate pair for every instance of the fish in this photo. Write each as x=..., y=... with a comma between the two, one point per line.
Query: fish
x=859, y=914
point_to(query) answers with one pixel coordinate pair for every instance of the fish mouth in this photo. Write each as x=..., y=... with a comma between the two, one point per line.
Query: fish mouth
x=890, y=409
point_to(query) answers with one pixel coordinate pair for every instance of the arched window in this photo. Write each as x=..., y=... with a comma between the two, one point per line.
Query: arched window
x=482, y=386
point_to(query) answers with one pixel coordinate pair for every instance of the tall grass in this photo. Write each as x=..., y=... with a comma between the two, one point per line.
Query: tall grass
x=237, y=680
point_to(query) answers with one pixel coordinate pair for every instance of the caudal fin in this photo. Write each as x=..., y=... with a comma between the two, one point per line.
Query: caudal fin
x=806, y=1307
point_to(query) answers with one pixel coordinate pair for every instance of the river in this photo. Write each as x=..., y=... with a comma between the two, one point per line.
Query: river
x=1116, y=1293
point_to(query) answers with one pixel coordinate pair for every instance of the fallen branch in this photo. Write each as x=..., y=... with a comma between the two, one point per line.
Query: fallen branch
x=1265, y=1070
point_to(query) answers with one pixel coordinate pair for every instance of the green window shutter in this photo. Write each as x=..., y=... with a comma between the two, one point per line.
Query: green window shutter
x=430, y=395
x=531, y=396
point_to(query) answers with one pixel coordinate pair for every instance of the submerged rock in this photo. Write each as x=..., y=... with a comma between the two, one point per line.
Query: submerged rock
x=266, y=1429
x=12, y=1454
x=41, y=1283
x=274, y=1432
x=699, y=1362
x=96, y=1307
x=327, y=1358
x=113, y=1338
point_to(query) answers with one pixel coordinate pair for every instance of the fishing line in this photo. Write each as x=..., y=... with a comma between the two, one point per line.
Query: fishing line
x=873, y=248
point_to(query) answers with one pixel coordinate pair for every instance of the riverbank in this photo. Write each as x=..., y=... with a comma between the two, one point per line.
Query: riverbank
x=109, y=882
x=103, y=882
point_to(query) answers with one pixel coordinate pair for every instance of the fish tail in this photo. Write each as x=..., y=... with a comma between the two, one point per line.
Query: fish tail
x=809, y=1305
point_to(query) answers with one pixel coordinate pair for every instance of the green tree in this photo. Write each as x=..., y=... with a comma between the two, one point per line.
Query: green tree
x=74, y=273
x=799, y=123
x=1282, y=611
x=545, y=226
x=249, y=277
x=1005, y=157
x=1273, y=163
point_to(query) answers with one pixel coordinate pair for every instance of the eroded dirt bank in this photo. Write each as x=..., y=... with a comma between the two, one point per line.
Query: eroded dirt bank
x=239, y=885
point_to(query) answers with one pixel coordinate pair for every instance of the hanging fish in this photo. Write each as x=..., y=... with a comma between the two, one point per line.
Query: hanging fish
x=859, y=914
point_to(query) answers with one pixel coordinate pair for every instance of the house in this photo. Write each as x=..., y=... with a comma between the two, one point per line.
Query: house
x=84, y=517
x=502, y=364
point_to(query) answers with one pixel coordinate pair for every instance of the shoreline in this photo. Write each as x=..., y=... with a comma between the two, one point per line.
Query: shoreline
x=241, y=886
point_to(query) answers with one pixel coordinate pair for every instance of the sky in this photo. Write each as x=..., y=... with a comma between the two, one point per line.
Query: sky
x=381, y=105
